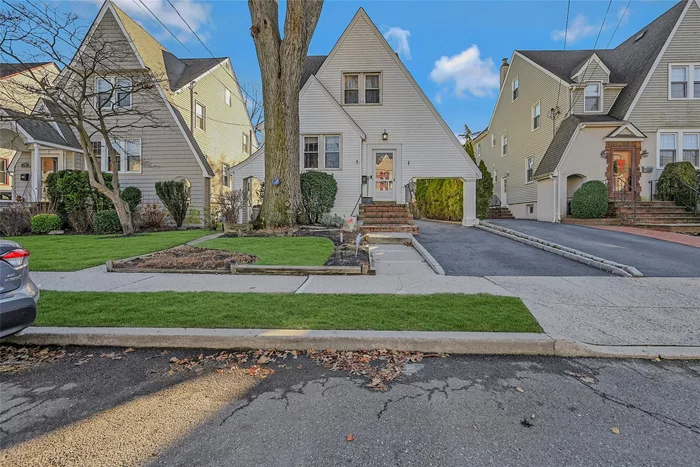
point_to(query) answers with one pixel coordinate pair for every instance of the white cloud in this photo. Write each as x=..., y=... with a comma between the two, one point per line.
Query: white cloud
x=438, y=97
x=197, y=15
x=578, y=29
x=398, y=39
x=469, y=72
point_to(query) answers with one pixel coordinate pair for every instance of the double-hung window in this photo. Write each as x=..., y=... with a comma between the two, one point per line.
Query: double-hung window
x=227, y=97
x=115, y=92
x=691, y=148
x=684, y=81
x=225, y=168
x=245, y=141
x=321, y=152
x=200, y=116
x=667, y=148
x=4, y=174
x=362, y=88
x=504, y=145
x=592, y=98
x=696, y=81
x=536, y=110
x=129, y=151
x=97, y=152
x=530, y=169
x=516, y=88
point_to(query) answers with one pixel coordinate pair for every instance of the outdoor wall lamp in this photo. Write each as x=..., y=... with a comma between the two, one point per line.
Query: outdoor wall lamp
x=604, y=153
x=385, y=136
x=645, y=153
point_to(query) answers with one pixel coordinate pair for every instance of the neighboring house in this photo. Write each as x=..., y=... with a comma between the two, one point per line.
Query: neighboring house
x=12, y=78
x=203, y=126
x=617, y=115
x=365, y=120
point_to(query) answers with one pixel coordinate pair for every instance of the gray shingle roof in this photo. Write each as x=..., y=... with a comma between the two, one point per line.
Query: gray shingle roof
x=40, y=130
x=312, y=64
x=65, y=129
x=561, y=139
x=629, y=62
x=194, y=67
x=8, y=69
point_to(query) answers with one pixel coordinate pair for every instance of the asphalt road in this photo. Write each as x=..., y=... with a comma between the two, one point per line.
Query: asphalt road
x=506, y=411
x=468, y=251
x=654, y=258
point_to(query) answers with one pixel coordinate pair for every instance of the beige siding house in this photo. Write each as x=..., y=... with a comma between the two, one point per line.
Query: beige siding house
x=193, y=142
x=365, y=120
x=616, y=115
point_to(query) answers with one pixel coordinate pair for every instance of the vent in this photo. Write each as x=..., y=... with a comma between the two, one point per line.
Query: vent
x=640, y=35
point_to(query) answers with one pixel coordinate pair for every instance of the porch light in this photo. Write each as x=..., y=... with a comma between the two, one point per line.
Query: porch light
x=385, y=136
x=604, y=153
x=645, y=153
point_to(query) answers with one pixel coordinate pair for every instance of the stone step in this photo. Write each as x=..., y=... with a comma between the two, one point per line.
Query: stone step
x=659, y=215
x=663, y=220
x=369, y=214
x=382, y=209
x=408, y=228
x=386, y=220
x=647, y=203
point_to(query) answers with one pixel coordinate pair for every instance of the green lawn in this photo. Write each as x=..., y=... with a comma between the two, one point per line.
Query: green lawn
x=441, y=312
x=276, y=251
x=74, y=252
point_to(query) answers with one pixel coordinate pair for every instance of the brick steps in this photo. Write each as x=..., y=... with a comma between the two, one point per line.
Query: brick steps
x=386, y=217
x=411, y=228
x=500, y=212
x=677, y=228
x=658, y=215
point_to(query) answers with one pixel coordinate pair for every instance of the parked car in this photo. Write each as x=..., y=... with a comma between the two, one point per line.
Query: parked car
x=18, y=294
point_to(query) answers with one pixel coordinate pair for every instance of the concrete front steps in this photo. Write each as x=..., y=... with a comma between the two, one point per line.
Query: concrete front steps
x=499, y=212
x=659, y=215
x=386, y=217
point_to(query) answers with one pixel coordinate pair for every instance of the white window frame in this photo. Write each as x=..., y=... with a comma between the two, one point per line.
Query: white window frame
x=600, y=97
x=515, y=88
x=114, y=97
x=529, y=172
x=361, y=89
x=227, y=96
x=5, y=171
x=478, y=150
x=504, y=145
x=679, y=143
x=493, y=140
x=322, y=152
x=245, y=143
x=204, y=116
x=123, y=160
x=225, y=175
x=681, y=153
x=538, y=116
x=692, y=69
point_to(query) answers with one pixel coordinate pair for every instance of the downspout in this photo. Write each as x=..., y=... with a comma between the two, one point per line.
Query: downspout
x=192, y=107
x=554, y=197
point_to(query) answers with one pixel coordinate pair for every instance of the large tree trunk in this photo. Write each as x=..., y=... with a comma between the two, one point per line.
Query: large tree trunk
x=281, y=62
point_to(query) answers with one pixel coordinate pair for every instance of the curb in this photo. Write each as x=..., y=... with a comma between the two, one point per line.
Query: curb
x=561, y=250
x=464, y=343
x=432, y=262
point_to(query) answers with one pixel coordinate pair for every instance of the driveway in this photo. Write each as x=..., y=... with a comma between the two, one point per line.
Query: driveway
x=654, y=258
x=468, y=251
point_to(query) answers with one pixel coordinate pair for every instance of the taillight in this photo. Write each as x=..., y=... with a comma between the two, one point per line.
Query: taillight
x=16, y=258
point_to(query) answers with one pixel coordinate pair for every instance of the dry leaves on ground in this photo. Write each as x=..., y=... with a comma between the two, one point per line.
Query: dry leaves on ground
x=14, y=359
x=233, y=361
x=189, y=257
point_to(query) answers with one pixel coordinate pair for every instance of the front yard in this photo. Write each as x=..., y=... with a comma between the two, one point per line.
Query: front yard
x=439, y=312
x=276, y=251
x=74, y=252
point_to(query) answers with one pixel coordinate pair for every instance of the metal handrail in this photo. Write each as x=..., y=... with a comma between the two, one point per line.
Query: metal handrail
x=495, y=202
x=692, y=202
x=623, y=198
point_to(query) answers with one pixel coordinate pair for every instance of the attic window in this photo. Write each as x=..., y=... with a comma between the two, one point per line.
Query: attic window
x=640, y=35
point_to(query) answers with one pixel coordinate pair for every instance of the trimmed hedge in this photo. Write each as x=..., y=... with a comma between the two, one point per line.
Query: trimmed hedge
x=590, y=201
x=669, y=186
x=45, y=223
x=318, y=191
x=440, y=199
x=107, y=222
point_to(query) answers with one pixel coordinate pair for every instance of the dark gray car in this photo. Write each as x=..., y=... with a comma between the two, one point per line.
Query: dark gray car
x=18, y=294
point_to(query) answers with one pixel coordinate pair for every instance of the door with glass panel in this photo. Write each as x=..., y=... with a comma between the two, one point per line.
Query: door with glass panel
x=384, y=175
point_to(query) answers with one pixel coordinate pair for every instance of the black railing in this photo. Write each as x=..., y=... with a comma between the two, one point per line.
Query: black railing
x=624, y=191
x=688, y=197
x=495, y=202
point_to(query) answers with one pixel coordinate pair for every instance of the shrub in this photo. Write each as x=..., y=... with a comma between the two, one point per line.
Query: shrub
x=132, y=196
x=590, y=201
x=79, y=221
x=318, y=190
x=194, y=217
x=107, y=222
x=15, y=219
x=440, y=199
x=484, y=191
x=151, y=217
x=231, y=203
x=70, y=190
x=175, y=196
x=45, y=223
x=669, y=186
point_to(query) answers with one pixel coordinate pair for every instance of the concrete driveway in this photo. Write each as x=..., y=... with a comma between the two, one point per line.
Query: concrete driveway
x=468, y=251
x=654, y=258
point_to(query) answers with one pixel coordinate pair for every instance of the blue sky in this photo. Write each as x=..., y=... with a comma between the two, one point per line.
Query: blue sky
x=452, y=48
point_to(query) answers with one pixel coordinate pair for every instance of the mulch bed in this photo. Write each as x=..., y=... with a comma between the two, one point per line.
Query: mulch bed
x=343, y=254
x=188, y=257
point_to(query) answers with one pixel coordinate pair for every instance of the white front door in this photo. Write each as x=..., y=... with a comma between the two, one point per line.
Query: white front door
x=384, y=175
x=504, y=191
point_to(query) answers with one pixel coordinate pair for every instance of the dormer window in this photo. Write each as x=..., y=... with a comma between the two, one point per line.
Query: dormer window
x=362, y=88
x=516, y=88
x=592, y=98
x=684, y=82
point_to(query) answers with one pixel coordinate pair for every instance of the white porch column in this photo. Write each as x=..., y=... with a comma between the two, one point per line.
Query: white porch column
x=36, y=174
x=469, y=214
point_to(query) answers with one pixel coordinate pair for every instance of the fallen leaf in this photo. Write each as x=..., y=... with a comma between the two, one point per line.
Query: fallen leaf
x=220, y=371
x=350, y=437
x=615, y=430
x=519, y=389
x=174, y=360
x=129, y=350
x=587, y=379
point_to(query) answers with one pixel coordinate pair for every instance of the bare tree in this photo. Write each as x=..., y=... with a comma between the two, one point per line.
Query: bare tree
x=100, y=92
x=281, y=61
x=252, y=93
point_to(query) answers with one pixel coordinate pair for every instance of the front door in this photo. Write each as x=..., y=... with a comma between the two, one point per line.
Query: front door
x=384, y=175
x=504, y=191
x=622, y=181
